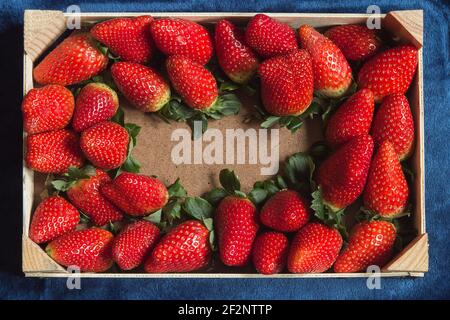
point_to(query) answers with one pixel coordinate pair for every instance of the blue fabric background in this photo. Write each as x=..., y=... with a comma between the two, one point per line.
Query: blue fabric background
x=435, y=284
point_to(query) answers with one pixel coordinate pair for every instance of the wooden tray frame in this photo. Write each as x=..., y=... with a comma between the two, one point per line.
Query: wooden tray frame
x=42, y=28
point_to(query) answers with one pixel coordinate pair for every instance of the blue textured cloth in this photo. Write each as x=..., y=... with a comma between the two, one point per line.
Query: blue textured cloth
x=435, y=284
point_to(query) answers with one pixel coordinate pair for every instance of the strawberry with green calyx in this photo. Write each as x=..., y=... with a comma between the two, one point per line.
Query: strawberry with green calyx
x=96, y=102
x=88, y=249
x=332, y=73
x=370, y=243
x=236, y=59
x=82, y=187
x=133, y=244
x=269, y=252
x=386, y=192
x=75, y=59
x=47, y=108
x=128, y=38
x=53, y=217
x=53, y=151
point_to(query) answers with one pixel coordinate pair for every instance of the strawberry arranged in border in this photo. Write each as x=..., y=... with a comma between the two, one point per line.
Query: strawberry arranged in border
x=332, y=73
x=47, y=108
x=394, y=122
x=236, y=59
x=75, y=59
x=387, y=191
x=389, y=72
x=182, y=37
x=128, y=38
x=357, y=42
x=95, y=103
x=370, y=243
x=88, y=249
x=270, y=251
x=83, y=190
x=352, y=119
x=53, y=217
x=269, y=37
x=53, y=151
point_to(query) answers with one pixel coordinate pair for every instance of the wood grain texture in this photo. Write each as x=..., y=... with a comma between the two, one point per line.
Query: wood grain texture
x=406, y=25
x=35, y=259
x=413, y=258
x=41, y=29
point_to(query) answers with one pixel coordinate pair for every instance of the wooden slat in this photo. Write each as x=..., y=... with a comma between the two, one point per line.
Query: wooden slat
x=407, y=25
x=413, y=258
x=35, y=259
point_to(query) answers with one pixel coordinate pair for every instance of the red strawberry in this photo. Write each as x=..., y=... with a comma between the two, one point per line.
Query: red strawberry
x=195, y=84
x=357, y=42
x=182, y=37
x=386, y=192
x=184, y=248
x=236, y=59
x=95, y=103
x=141, y=85
x=285, y=211
x=134, y=243
x=314, y=249
x=136, y=194
x=394, y=122
x=85, y=195
x=52, y=218
x=370, y=243
x=269, y=37
x=53, y=151
x=332, y=73
x=128, y=38
x=88, y=249
x=389, y=72
x=343, y=175
x=287, y=83
x=352, y=119
x=47, y=108
x=105, y=144
x=236, y=227
x=270, y=252
x=74, y=60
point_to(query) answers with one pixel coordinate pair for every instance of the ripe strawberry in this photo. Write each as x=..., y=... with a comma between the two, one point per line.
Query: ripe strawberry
x=128, y=38
x=135, y=194
x=370, y=243
x=269, y=37
x=270, y=252
x=332, y=73
x=236, y=59
x=352, y=119
x=386, y=192
x=88, y=249
x=74, y=60
x=182, y=37
x=343, y=175
x=357, y=42
x=287, y=83
x=52, y=218
x=195, y=84
x=84, y=193
x=285, y=211
x=53, y=151
x=394, y=122
x=105, y=144
x=141, y=85
x=236, y=227
x=314, y=249
x=47, y=108
x=134, y=243
x=184, y=248
x=389, y=72
x=95, y=103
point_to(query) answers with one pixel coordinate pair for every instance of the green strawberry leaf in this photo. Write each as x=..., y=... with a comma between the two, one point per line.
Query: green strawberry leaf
x=215, y=195
x=119, y=117
x=208, y=222
x=172, y=211
x=319, y=150
x=155, y=217
x=133, y=130
x=176, y=190
x=130, y=165
x=270, y=122
x=61, y=185
x=229, y=181
x=175, y=110
x=198, y=117
x=299, y=168
x=198, y=208
x=84, y=218
x=212, y=241
x=228, y=86
x=258, y=195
